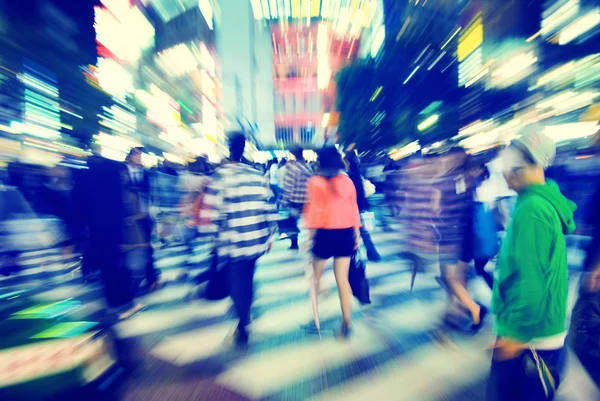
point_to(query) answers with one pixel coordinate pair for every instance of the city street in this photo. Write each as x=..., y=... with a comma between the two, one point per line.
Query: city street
x=179, y=350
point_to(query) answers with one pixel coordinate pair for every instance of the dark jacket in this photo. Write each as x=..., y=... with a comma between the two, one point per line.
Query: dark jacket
x=361, y=199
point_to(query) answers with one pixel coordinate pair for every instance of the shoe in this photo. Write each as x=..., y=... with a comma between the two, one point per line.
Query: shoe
x=483, y=311
x=240, y=338
x=345, y=331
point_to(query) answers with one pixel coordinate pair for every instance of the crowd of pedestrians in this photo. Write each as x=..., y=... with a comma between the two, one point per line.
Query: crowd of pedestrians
x=241, y=209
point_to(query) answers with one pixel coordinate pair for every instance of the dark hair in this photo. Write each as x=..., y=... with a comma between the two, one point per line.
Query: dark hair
x=298, y=153
x=353, y=161
x=137, y=149
x=331, y=159
x=237, y=145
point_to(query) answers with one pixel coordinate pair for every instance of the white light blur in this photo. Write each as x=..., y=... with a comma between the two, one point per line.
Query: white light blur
x=436, y=61
x=450, y=38
x=325, y=120
x=407, y=150
x=514, y=69
x=274, y=10
x=582, y=25
x=323, y=69
x=257, y=9
x=113, y=78
x=560, y=16
x=411, y=75
x=571, y=131
x=378, y=41
x=207, y=12
x=177, y=60
x=265, y=9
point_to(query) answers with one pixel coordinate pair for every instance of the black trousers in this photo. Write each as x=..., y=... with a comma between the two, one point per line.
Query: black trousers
x=584, y=333
x=509, y=380
x=240, y=276
x=147, y=226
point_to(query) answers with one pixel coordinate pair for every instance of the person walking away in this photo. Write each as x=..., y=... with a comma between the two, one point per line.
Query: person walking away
x=134, y=246
x=294, y=184
x=104, y=215
x=585, y=318
x=274, y=178
x=332, y=216
x=242, y=222
x=363, y=203
x=480, y=242
x=531, y=287
x=140, y=180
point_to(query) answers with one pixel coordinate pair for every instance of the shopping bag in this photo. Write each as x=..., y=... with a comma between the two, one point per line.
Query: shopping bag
x=358, y=279
x=368, y=220
x=538, y=372
x=486, y=244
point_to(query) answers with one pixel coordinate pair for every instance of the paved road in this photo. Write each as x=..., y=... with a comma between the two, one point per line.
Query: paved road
x=178, y=349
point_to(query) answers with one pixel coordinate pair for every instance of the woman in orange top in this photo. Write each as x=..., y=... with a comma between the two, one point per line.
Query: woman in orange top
x=332, y=216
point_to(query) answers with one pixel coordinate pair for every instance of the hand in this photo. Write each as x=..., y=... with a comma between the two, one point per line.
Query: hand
x=592, y=282
x=356, y=242
x=507, y=348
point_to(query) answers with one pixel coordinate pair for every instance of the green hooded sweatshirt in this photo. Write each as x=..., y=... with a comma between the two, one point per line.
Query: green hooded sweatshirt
x=531, y=285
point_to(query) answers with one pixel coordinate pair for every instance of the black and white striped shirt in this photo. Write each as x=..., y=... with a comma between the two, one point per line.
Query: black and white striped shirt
x=242, y=220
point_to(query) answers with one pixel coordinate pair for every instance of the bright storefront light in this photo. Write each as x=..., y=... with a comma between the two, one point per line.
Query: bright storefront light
x=582, y=25
x=113, y=78
x=177, y=60
x=571, y=131
x=513, y=70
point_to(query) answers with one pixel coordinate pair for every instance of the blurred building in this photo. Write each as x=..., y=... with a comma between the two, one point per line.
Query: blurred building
x=244, y=47
x=528, y=62
x=311, y=42
x=46, y=108
x=158, y=62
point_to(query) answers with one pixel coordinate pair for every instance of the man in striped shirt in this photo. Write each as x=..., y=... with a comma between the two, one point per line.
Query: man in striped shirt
x=242, y=222
x=294, y=188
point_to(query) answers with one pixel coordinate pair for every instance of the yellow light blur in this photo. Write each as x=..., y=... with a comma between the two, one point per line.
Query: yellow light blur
x=325, y=120
x=316, y=8
x=295, y=8
x=471, y=40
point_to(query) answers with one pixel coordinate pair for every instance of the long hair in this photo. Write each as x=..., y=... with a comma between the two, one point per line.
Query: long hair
x=330, y=165
x=330, y=159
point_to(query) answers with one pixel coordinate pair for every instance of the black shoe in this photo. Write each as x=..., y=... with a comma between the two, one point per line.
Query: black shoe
x=483, y=311
x=345, y=331
x=241, y=338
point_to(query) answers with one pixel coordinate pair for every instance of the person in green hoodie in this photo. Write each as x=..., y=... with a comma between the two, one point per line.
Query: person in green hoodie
x=531, y=285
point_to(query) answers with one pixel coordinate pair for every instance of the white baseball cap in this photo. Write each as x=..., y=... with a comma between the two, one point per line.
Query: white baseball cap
x=537, y=145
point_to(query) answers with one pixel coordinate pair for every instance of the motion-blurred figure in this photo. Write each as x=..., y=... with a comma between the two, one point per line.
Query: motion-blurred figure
x=585, y=318
x=363, y=203
x=56, y=199
x=242, y=221
x=333, y=219
x=104, y=215
x=273, y=175
x=293, y=195
x=531, y=288
x=140, y=182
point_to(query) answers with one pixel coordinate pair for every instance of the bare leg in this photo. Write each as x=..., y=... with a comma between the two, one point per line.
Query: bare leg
x=456, y=280
x=341, y=267
x=318, y=266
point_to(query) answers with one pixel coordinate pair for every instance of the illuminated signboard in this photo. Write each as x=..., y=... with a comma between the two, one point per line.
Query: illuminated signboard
x=163, y=110
x=470, y=40
x=48, y=311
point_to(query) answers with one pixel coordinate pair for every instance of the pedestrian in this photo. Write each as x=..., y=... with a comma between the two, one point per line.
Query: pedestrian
x=140, y=181
x=293, y=195
x=531, y=287
x=585, y=318
x=104, y=216
x=333, y=218
x=242, y=220
x=363, y=203
x=274, y=178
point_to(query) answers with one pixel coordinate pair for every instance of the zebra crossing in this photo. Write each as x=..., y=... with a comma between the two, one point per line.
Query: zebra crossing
x=391, y=355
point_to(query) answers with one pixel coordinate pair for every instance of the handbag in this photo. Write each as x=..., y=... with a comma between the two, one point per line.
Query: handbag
x=368, y=187
x=368, y=220
x=358, y=279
